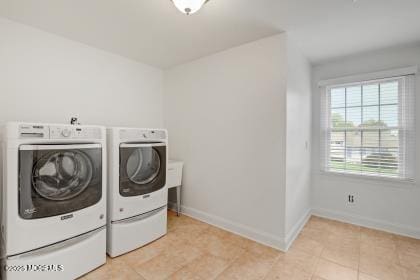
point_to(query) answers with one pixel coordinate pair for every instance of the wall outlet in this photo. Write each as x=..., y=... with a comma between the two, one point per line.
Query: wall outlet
x=351, y=199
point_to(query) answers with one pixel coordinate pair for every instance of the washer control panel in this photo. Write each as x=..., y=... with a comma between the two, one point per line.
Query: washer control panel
x=35, y=131
x=74, y=132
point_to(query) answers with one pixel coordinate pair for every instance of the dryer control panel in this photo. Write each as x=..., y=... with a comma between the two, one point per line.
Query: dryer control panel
x=142, y=135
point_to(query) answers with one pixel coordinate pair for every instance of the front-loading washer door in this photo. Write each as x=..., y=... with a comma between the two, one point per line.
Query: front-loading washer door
x=142, y=168
x=58, y=179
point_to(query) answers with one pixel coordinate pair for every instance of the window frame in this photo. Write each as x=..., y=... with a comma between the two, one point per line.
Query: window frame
x=403, y=128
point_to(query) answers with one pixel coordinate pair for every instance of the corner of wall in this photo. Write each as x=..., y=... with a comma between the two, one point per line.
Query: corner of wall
x=298, y=139
x=292, y=234
x=268, y=239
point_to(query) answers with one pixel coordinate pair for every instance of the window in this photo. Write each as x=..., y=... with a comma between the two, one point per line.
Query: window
x=368, y=128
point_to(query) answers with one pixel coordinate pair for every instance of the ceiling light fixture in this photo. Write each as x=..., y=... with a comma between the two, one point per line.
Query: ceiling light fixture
x=189, y=7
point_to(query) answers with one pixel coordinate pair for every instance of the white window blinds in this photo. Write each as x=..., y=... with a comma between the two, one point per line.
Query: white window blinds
x=368, y=128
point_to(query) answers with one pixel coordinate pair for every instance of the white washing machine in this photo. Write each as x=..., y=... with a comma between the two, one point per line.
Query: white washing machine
x=53, y=204
x=137, y=192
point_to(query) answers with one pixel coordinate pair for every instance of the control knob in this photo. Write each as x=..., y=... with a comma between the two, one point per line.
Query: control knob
x=66, y=132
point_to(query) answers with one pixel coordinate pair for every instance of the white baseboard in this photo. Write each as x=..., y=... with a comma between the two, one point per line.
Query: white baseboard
x=277, y=242
x=296, y=229
x=367, y=222
x=284, y=243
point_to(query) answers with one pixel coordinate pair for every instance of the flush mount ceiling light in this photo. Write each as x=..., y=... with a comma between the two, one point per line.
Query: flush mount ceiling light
x=189, y=6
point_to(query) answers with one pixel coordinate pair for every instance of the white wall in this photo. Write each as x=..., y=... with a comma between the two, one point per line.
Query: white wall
x=389, y=206
x=298, y=155
x=46, y=78
x=226, y=116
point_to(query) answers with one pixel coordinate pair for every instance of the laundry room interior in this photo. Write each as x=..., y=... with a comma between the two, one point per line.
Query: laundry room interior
x=210, y=139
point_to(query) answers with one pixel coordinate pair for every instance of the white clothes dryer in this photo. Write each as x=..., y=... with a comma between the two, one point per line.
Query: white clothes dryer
x=137, y=192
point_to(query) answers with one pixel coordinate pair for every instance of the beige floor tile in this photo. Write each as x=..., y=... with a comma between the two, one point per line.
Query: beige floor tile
x=335, y=240
x=319, y=223
x=293, y=274
x=229, y=237
x=378, y=238
x=182, y=221
x=204, y=267
x=185, y=252
x=139, y=256
x=353, y=240
x=408, y=245
x=347, y=236
x=363, y=276
x=219, y=232
x=318, y=235
x=187, y=233
x=152, y=249
x=299, y=260
x=187, y=229
x=283, y=270
x=344, y=255
x=378, y=252
x=172, y=223
x=259, y=249
x=114, y=269
x=184, y=275
x=381, y=268
x=248, y=267
x=165, y=264
x=160, y=267
x=411, y=275
x=217, y=246
x=339, y=227
x=409, y=261
x=377, y=233
x=308, y=245
x=332, y=271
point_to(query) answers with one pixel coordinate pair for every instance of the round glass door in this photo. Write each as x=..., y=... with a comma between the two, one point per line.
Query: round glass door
x=62, y=175
x=143, y=165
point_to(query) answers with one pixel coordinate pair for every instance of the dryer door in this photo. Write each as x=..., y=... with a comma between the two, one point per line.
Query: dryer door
x=58, y=179
x=142, y=168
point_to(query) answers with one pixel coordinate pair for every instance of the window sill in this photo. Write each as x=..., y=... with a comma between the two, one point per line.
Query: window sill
x=385, y=181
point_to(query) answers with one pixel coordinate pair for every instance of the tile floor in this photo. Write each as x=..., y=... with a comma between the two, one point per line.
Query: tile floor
x=325, y=250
